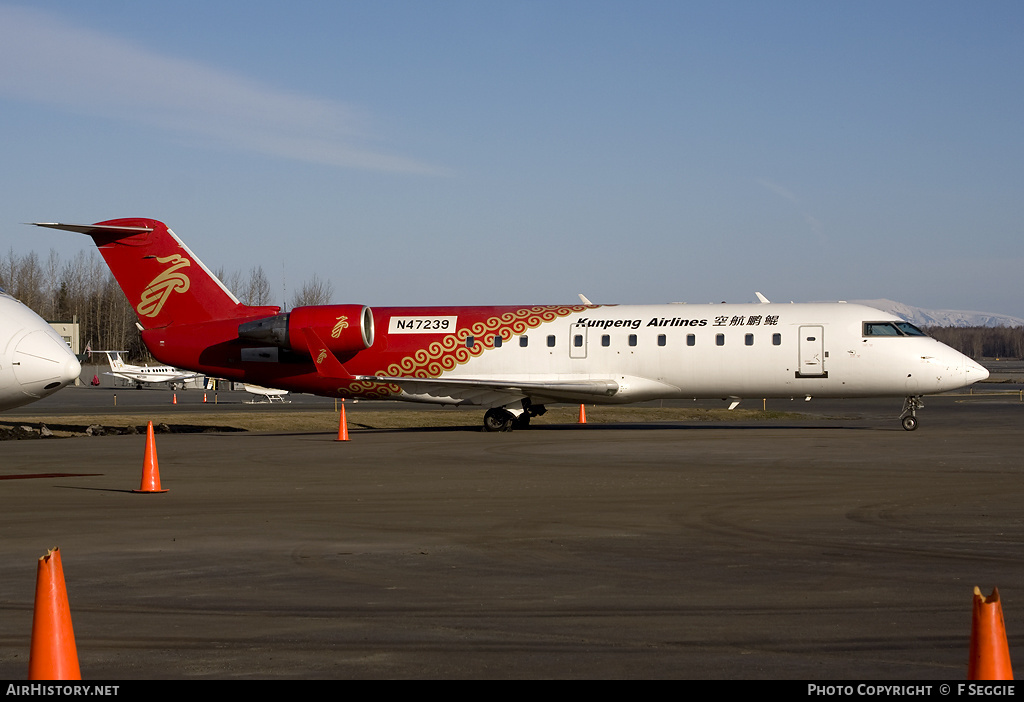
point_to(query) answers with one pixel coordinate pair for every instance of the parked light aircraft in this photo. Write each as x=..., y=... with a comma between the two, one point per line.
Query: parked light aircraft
x=146, y=374
x=264, y=395
x=514, y=360
x=34, y=361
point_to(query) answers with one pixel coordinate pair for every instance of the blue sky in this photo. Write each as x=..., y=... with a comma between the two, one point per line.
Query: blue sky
x=444, y=152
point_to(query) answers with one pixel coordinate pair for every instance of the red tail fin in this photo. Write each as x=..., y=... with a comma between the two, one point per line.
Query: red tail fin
x=162, y=278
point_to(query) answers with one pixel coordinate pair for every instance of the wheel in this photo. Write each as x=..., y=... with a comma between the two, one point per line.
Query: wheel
x=910, y=423
x=497, y=419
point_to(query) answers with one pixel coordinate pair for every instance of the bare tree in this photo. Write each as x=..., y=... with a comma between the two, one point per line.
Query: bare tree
x=232, y=281
x=257, y=290
x=51, y=304
x=978, y=342
x=23, y=277
x=316, y=291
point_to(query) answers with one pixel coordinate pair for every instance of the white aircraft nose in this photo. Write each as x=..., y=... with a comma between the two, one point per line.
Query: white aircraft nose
x=974, y=372
x=43, y=364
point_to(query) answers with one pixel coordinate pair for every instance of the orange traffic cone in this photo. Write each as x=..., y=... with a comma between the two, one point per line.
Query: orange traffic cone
x=52, y=655
x=342, y=424
x=583, y=415
x=150, y=468
x=174, y=399
x=990, y=655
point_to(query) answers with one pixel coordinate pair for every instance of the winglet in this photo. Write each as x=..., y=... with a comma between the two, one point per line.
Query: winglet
x=764, y=300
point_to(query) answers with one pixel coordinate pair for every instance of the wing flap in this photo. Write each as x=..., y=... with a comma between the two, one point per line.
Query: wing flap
x=474, y=390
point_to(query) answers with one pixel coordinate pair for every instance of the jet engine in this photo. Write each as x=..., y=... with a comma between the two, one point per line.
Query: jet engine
x=345, y=329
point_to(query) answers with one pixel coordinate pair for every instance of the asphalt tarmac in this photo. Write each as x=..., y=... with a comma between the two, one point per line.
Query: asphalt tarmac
x=835, y=546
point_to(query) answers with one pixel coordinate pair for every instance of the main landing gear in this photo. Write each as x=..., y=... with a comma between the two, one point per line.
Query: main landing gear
x=506, y=419
x=910, y=407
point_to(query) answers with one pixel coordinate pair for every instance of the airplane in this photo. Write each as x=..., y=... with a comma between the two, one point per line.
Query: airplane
x=263, y=395
x=146, y=374
x=513, y=360
x=35, y=361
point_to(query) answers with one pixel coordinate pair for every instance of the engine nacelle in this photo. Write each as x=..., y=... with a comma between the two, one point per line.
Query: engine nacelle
x=345, y=329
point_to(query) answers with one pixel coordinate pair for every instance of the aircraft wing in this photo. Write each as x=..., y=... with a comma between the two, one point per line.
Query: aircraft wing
x=496, y=392
x=119, y=375
x=261, y=390
x=186, y=376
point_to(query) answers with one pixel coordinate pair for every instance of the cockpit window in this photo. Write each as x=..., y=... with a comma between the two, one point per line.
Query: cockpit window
x=909, y=329
x=891, y=329
x=880, y=329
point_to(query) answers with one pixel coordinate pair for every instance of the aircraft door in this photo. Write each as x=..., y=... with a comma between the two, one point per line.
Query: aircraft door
x=812, y=352
x=577, y=342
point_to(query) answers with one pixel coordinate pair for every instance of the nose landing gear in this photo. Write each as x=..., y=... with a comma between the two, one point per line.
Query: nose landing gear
x=909, y=416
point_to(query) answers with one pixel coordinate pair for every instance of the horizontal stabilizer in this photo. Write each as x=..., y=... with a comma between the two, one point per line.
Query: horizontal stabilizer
x=91, y=229
x=164, y=282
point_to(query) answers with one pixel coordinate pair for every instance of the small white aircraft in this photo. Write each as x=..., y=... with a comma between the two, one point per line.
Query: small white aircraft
x=264, y=395
x=146, y=374
x=34, y=361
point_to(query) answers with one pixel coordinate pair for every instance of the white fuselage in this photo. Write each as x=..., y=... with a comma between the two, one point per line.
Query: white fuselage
x=154, y=374
x=145, y=374
x=34, y=361
x=727, y=350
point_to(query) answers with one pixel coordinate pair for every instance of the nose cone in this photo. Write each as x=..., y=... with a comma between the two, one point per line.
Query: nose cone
x=960, y=371
x=43, y=364
x=948, y=369
x=974, y=372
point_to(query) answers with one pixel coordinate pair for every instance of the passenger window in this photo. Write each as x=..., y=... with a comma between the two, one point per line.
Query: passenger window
x=776, y=339
x=749, y=340
x=720, y=339
x=661, y=340
x=551, y=341
x=577, y=340
x=606, y=340
x=523, y=340
x=632, y=339
x=691, y=340
x=497, y=342
x=469, y=342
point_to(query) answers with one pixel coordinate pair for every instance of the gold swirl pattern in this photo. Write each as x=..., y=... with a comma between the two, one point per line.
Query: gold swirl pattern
x=161, y=287
x=342, y=324
x=451, y=351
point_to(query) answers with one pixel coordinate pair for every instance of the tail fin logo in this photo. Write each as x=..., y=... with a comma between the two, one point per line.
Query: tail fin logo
x=160, y=288
x=342, y=324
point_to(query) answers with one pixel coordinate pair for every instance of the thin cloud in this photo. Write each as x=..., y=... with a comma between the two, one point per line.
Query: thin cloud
x=815, y=224
x=44, y=59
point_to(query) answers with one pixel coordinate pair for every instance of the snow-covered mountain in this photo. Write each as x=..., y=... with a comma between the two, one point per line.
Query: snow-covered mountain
x=943, y=318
